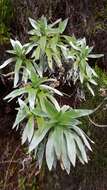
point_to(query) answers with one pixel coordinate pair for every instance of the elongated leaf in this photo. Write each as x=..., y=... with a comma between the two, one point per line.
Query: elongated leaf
x=17, y=68
x=13, y=43
x=95, y=55
x=28, y=130
x=21, y=115
x=54, y=23
x=71, y=147
x=75, y=113
x=57, y=134
x=50, y=152
x=36, y=53
x=64, y=157
x=25, y=76
x=53, y=43
x=93, y=81
x=90, y=89
x=81, y=74
x=49, y=57
x=38, y=137
x=51, y=110
x=79, y=156
x=40, y=153
x=57, y=59
x=54, y=101
x=42, y=43
x=32, y=98
x=30, y=47
x=33, y=23
x=11, y=52
x=39, y=70
x=10, y=60
x=81, y=148
x=16, y=93
x=51, y=88
x=74, y=46
x=82, y=135
x=62, y=25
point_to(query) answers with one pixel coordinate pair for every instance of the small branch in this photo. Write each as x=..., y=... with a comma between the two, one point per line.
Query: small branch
x=7, y=172
x=96, y=124
x=8, y=74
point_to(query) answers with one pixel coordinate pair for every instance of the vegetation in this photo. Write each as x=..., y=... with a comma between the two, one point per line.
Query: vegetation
x=51, y=130
x=5, y=18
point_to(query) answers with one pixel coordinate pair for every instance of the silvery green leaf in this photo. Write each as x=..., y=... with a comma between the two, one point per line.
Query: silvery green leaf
x=32, y=98
x=54, y=23
x=23, y=105
x=62, y=25
x=65, y=108
x=64, y=157
x=40, y=153
x=51, y=89
x=21, y=115
x=16, y=93
x=38, y=69
x=54, y=101
x=28, y=130
x=50, y=151
x=36, y=53
x=83, y=136
x=30, y=47
x=81, y=75
x=81, y=147
x=49, y=57
x=26, y=75
x=75, y=113
x=57, y=141
x=94, y=73
x=11, y=52
x=17, y=68
x=71, y=147
x=65, y=52
x=80, y=156
x=93, y=81
x=7, y=62
x=42, y=42
x=33, y=23
x=57, y=60
x=90, y=89
x=95, y=55
x=13, y=43
x=17, y=43
x=38, y=137
x=53, y=43
x=90, y=71
x=50, y=109
x=74, y=46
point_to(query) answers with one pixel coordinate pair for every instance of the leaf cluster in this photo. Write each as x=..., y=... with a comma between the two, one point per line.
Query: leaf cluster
x=51, y=131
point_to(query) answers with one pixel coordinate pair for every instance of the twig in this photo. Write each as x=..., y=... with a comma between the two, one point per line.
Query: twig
x=8, y=161
x=7, y=172
x=8, y=74
x=96, y=124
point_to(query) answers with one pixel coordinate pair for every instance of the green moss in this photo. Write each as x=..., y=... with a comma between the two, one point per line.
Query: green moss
x=5, y=19
x=99, y=135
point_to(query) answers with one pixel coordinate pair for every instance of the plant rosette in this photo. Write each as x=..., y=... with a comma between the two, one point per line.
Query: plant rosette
x=52, y=132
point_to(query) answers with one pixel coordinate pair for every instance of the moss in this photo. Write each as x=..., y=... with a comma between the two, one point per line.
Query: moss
x=99, y=135
x=5, y=19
